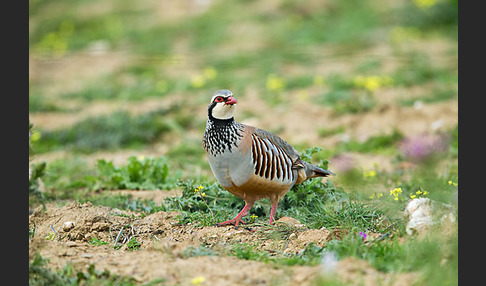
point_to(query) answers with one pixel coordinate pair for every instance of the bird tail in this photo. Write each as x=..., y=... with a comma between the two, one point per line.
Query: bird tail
x=307, y=171
x=313, y=171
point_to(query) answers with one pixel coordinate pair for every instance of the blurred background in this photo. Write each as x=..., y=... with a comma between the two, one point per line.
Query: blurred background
x=372, y=83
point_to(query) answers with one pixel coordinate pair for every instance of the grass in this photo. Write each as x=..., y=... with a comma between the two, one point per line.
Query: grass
x=284, y=52
x=107, y=132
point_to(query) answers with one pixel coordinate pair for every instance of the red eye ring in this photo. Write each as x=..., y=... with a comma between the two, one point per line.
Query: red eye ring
x=218, y=99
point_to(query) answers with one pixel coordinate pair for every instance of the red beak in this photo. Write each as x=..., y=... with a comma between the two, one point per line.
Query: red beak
x=231, y=100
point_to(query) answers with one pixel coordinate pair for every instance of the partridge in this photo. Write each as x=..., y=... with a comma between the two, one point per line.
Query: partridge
x=249, y=162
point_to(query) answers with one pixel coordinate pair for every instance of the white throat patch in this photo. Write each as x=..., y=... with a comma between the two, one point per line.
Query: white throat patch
x=222, y=111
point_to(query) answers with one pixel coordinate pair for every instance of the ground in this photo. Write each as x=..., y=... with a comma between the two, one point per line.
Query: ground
x=164, y=246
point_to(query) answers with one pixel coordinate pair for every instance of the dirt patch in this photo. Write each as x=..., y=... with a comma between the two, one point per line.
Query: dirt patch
x=358, y=272
x=62, y=235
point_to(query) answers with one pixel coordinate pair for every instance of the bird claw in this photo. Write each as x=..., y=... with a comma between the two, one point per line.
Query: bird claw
x=234, y=222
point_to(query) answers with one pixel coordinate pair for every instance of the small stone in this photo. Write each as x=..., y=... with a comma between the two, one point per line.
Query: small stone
x=424, y=213
x=68, y=225
x=71, y=244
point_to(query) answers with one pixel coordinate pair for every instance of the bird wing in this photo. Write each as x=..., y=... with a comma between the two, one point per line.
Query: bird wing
x=272, y=157
x=279, y=142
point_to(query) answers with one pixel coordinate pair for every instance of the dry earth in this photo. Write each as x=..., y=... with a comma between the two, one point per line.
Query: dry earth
x=164, y=242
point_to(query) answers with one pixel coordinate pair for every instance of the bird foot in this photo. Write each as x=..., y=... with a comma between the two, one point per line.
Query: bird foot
x=234, y=222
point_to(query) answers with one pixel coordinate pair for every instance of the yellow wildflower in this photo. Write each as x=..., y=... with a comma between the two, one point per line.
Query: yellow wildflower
x=424, y=4
x=36, y=135
x=451, y=183
x=275, y=83
x=413, y=196
x=318, y=80
x=376, y=195
x=203, y=194
x=369, y=174
x=198, y=81
x=419, y=192
x=198, y=280
x=426, y=193
x=373, y=82
x=210, y=72
x=396, y=193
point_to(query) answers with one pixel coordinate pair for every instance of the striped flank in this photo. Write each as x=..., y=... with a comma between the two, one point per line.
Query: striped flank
x=270, y=161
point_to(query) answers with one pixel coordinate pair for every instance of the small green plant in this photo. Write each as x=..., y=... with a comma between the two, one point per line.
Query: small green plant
x=32, y=230
x=36, y=171
x=35, y=193
x=248, y=252
x=139, y=173
x=117, y=130
x=50, y=236
x=97, y=241
x=133, y=244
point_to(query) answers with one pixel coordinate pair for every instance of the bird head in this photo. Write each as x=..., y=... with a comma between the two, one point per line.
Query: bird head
x=222, y=105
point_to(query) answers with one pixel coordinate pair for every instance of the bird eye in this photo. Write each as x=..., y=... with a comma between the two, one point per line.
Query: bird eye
x=219, y=99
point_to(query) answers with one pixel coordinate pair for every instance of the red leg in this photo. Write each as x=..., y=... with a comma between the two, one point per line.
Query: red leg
x=237, y=219
x=273, y=211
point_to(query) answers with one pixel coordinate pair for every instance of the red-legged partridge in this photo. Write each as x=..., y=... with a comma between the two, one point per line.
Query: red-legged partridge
x=249, y=162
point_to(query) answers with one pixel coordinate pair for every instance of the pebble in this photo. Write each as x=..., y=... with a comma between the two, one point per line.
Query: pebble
x=68, y=225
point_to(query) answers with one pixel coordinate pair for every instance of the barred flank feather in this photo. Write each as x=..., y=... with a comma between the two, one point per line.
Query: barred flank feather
x=270, y=161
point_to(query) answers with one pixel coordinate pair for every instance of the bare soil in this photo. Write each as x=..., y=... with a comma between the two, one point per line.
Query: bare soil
x=163, y=243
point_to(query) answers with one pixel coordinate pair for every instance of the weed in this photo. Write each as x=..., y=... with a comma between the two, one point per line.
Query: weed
x=35, y=193
x=104, y=132
x=98, y=242
x=32, y=231
x=374, y=144
x=36, y=172
x=133, y=244
x=38, y=103
x=139, y=173
x=248, y=252
x=325, y=132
